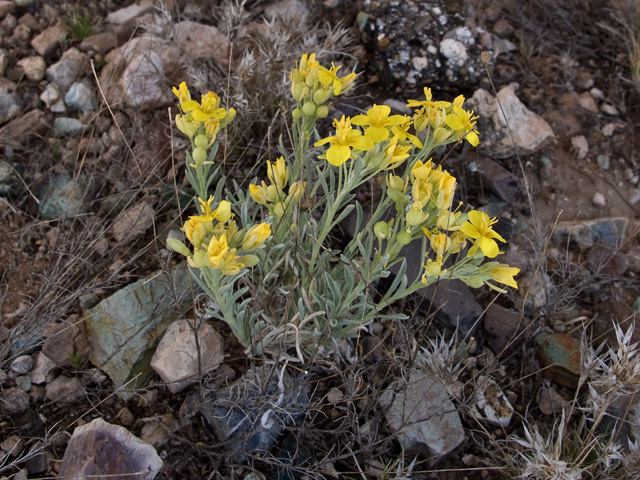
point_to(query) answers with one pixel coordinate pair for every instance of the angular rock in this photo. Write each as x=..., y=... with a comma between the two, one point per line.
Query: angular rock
x=10, y=183
x=530, y=131
x=66, y=341
x=177, y=360
x=423, y=416
x=454, y=304
x=123, y=328
x=608, y=231
x=492, y=404
x=81, y=97
x=249, y=415
x=10, y=107
x=198, y=41
x=101, y=449
x=69, y=126
x=6, y=6
x=504, y=328
x=22, y=364
x=499, y=180
x=48, y=40
x=551, y=402
x=66, y=71
x=129, y=14
x=560, y=357
x=41, y=370
x=14, y=401
x=64, y=197
x=52, y=98
x=34, y=68
x=65, y=389
x=100, y=42
x=133, y=222
x=142, y=80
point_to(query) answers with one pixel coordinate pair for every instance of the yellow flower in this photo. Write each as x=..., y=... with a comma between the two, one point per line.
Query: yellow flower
x=182, y=92
x=428, y=102
x=217, y=249
x=478, y=227
x=187, y=125
x=440, y=243
x=394, y=154
x=329, y=76
x=221, y=214
x=431, y=269
x=463, y=124
x=195, y=230
x=378, y=122
x=230, y=264
x=402, y=132
x=422, y=171
x=278, y=173
x=504, y=274
x=256, y=236
x=344, y=140
x=208, y=108
x=445, y=185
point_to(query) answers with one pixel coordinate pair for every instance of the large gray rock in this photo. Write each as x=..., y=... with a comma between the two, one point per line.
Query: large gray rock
x=101, y=450
x=133, y=222
x=249, y=416
x=123, y=328
x=64, y=197
x=454, y=305
x=46, y=42
x=583, y=234
x=81, y=97
x=179, y=359
x=529, y=132
x=422, y=416
x=199, y=41
x=66, y=71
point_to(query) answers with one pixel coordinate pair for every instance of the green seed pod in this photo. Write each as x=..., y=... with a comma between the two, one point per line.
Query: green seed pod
x=199, y=155
x=201, y=141
x=382, y=230
x=309, y=109
x=322, y=111
x=296, y=114
x=297, y=90
x=404, y=238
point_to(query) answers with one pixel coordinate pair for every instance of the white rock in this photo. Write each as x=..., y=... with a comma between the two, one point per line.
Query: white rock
x=108, y=451
x=52, y=98
x=580, y=145
x=143, y=82
x=34, y=67
x=176, y=358
x=599, y=199
x=609, y=109
x=454, y=51
x=530, y=131
x=81, y=97
x=492, y=404
x=423, y=416
x=68, y=68
x=128, y=14
x=22, y=364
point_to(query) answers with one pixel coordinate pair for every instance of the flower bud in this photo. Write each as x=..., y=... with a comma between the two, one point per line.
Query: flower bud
x=382, y=230
x=416, y=216
x=394, y=182
x=296, y=190
x=201, y=141
x=322, y=111
x=296, y=114
x=256, y=236
x=309, y=109
x=258, y=194
x=441, y=134
x=322, y=95
x=297, y=91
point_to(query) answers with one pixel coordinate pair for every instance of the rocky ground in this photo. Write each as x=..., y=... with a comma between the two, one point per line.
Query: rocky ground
x=97, y=316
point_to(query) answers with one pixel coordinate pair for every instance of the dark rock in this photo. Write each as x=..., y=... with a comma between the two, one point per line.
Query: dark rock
x=108, y=451
x=10, y=107
x=65, y=389
x=10, y=183
x=505, y=329
x=64, y=197
x=249, y=415
x=610, y=232
x=560, y=357
x=66, y=71
x=499, y=180
x=22, y=364
x=454, y=305
x=21, y=128
x=14, y=401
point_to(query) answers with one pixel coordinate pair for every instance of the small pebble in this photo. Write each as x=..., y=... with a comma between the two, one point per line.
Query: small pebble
x=23, y=382
x=22, y=364
x=599, y=200
x=609, y=109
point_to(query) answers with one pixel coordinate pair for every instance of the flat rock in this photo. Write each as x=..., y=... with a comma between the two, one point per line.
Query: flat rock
x=65, y=340
x=22, y=364
x=608, y=231
x=10, y=107
x=454, y=304
x=199, y=41
x=69, y=126
x=504, y=329
x=6, y=6
x=128, y=14
x=560, y=357
x=249, y=415
x=109, y=451
x=422, y=416
x=123, y=328
x=67, y=70
x=46, y=42
x=133, y=222
x=64, y=197
x=100, y=42
x=64, y=389
x=179, y=359
x=530, y=131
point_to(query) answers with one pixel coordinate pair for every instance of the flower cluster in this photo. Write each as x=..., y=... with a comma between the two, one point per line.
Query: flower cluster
x=217, y=243
x=202, y=121
x=313, y=85
x=273, y=196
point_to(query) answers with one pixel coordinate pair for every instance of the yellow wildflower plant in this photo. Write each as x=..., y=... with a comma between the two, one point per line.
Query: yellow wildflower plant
x=345, y=139
x=378, y=122
x=478, y=228
x=502, y=274
x=463, y=124
x=329, y=76
x=256, y=236
x=402, y=132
